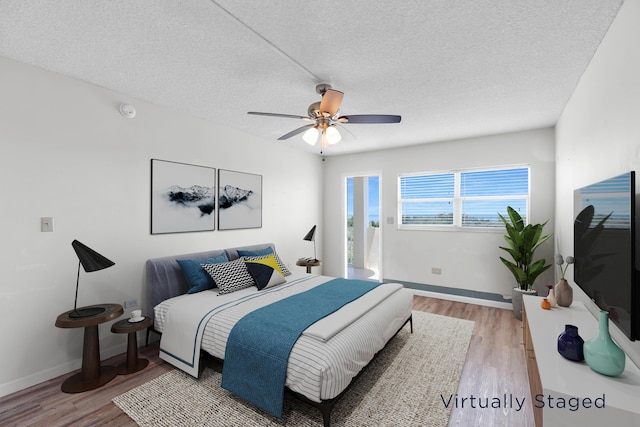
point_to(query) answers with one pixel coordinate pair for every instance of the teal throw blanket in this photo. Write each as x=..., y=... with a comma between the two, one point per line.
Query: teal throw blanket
x=258, y=347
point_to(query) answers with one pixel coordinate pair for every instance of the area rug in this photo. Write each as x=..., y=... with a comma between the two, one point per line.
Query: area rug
x=403, y=386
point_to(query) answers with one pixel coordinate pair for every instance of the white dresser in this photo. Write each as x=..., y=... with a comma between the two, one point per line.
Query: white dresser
x=556, y=381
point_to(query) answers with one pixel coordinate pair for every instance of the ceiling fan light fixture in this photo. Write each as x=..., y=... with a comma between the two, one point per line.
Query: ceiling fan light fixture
x=324, y=117
x=311, y=136
x=333, y=136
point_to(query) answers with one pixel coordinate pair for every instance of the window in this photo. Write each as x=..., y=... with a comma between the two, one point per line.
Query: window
x=427, y=199
x=468, y=199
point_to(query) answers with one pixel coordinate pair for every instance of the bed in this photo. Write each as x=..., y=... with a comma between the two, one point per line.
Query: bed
x=324, y=358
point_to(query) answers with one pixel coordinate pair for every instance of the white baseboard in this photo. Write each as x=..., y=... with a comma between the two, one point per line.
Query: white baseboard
x=459, y=298
x=47, y=374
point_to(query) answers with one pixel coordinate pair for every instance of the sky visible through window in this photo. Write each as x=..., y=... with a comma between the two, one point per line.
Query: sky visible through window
x=374, y=198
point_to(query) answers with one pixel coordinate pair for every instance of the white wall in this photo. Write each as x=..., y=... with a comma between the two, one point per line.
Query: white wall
x=66, y=152
x=598, y=134
x=468, y=260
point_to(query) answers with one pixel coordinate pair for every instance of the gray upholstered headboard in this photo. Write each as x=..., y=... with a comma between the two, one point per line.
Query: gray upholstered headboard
x=164, y=278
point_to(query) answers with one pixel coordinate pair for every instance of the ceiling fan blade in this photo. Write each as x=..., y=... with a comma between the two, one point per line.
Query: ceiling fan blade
x=331, y=101
x=288, y=116
x=344, y=129
x=296, y=131
x=369, y=118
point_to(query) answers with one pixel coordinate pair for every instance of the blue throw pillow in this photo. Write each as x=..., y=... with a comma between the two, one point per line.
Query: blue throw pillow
x=256, y=252
x=197, y=278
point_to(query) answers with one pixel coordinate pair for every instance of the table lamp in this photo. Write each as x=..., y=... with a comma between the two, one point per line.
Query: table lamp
x=311, y=237
x=90, y=261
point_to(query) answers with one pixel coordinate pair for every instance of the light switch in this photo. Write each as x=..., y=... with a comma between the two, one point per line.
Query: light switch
x=46, y=224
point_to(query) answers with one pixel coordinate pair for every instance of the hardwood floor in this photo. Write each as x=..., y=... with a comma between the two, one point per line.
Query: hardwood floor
x=494, y=367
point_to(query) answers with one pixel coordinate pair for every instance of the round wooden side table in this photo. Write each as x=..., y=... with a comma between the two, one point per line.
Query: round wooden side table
x=133, y=363
x=308, y=264
x=92, y=375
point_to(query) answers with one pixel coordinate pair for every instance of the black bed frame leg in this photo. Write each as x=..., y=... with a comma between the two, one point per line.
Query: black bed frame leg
x=326, y=415
x=411, y=323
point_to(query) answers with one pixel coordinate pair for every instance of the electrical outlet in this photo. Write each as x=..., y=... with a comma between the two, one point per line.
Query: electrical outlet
x=436, y=270
x=131, y=303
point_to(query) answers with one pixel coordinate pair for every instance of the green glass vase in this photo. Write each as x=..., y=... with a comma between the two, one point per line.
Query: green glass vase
x=601, y=353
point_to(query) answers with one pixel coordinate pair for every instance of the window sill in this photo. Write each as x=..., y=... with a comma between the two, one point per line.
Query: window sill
x=451, y=228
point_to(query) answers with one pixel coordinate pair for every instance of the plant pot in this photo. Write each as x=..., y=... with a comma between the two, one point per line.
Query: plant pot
x=516, y=300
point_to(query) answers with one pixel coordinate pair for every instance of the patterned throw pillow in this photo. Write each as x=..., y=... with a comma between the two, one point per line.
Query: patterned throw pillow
x=266, y=251
x=230, y=276
x=283, y=268
x=265, y=271
x=198, y=279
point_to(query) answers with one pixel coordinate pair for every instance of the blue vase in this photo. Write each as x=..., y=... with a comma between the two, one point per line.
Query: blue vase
x=570, y=344
x=601, y=353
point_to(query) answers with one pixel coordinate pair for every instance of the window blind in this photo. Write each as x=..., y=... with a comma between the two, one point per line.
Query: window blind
x=463, y=198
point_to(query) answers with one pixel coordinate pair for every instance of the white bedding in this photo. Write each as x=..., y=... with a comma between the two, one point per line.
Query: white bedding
x=326, y=357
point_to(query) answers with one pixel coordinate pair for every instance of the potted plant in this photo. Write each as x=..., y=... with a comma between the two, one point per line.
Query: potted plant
x=523, y=241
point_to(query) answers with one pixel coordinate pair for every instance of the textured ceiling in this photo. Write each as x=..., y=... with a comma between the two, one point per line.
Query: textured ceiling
x=451, y=69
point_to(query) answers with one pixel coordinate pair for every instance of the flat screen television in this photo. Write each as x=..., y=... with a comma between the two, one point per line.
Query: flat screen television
x=605, y=249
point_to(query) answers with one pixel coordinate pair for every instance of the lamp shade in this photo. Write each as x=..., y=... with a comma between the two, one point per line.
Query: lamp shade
x=310, y=235
x=333, y=136
x=90, y=259
x=311, y=136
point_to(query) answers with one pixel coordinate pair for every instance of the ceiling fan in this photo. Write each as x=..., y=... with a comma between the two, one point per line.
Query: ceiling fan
x=324, y=117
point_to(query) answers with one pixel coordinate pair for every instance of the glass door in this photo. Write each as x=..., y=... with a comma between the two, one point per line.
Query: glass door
x=364, y=236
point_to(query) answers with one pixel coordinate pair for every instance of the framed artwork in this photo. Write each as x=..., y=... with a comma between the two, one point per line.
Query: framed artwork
x=183, y=197
x=239, y=200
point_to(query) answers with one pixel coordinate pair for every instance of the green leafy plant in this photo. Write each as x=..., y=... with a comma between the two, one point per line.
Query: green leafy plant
x=523, y=241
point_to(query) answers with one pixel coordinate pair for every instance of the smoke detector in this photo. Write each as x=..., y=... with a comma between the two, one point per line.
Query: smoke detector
x=128, y=111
